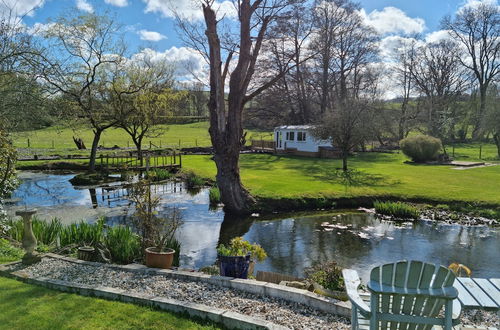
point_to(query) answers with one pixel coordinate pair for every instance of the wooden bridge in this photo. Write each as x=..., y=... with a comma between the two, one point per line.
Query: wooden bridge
x=169, y=161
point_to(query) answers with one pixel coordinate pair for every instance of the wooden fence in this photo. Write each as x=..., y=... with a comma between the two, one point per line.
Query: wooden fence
x=263, y=145
x=133, y=162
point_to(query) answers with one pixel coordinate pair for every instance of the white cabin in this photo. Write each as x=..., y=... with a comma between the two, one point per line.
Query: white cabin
x=298, y=140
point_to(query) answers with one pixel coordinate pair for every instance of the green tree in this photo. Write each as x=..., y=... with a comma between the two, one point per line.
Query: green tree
x=82, y=49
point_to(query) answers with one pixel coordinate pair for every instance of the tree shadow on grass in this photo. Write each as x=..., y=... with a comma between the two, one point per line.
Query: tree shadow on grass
x=354, y=178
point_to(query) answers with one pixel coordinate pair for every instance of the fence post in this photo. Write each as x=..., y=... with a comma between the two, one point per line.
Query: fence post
x=160, y=144
x=150, y=144
x=175, y=158
x=179, y=143
x=480, y=151
x=453, y=151
x=29, y=145
x=102, y=161
x=180, y=160
x=196, y=142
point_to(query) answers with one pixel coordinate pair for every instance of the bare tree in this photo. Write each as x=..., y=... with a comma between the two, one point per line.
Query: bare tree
x=81, y=47
x=477, y=29
x=438, y=75
x=234, y=57
x=351, y=80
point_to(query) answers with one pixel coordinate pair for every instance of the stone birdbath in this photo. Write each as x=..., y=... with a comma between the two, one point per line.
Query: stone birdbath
x=29, y=239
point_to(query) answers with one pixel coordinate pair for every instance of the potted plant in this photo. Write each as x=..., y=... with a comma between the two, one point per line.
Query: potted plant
x=327, y=280
x=157, y=231
x=235, y=259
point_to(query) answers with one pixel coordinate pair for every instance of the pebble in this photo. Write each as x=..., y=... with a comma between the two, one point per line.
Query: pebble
x=290, y=315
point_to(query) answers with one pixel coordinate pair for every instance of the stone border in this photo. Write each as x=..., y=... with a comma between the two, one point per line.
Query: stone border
x=226, y=318
x=231, y=320
x=259, y=288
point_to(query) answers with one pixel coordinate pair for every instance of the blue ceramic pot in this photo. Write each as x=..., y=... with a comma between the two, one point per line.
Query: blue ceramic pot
x=234, y=266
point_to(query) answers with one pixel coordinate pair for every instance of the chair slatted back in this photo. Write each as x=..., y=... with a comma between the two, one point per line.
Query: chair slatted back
x=410, y=275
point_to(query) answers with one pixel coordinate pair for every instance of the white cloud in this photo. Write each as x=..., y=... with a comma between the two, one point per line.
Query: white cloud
x=190, y=65
x=84, y=5
x=117, y=3
x=19, y=7
x=475, y=3
x=187, y=9
x=437, y=36
x=393, y=20
x=151, y=35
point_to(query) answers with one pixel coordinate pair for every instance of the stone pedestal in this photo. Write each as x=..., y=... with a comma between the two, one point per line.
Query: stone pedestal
x=29, y=239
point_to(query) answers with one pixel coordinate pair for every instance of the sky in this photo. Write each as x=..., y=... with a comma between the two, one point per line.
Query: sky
x=150, y=24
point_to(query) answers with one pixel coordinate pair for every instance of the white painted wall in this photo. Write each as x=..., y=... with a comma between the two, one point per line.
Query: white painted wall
x=309, y=145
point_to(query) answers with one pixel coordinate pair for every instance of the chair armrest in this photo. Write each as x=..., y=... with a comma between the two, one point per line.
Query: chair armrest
x=352, y=282
x=442, y=293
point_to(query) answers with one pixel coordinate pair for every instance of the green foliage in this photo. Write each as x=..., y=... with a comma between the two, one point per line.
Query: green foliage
x=328, y=275
x=421, y=148
x=214, y=195
x=45, y=232
x=239, y=247
x=82, y=233
x=158, y=174
x=397, y=209
x=8, y=252
x=123, y=244
x=8, y=156
x=193, y=180
x=174, y=244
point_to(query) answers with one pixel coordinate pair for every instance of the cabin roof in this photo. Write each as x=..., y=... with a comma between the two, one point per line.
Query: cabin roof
x=305, y=127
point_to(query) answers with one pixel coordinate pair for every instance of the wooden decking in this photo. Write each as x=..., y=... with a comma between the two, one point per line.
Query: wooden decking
x=478, y=293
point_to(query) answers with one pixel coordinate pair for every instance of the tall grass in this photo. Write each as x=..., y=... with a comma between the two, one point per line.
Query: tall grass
x=158, y=174
x=397, y=209
x=214, y=195
x=176, y=245
x=45, y=232
x=82, y=233
x=193, y=181
x=123, y=244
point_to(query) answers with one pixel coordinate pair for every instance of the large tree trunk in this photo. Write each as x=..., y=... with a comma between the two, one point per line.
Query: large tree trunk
x=477, y=132
x=496, y=137
x=93, y=152
x=235, y=197
x=138, y=146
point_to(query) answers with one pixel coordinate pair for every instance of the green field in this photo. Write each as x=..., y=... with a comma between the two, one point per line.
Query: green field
x=58, y=139
x=26, y=306
x=376, y=174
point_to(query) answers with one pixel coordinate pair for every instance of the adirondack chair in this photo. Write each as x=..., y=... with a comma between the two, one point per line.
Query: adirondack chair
x=404, y=295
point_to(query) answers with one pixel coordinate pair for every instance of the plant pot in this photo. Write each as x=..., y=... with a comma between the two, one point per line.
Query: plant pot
x=234, y=266
x=159, y=259
x=340, y=295
x=86, y=253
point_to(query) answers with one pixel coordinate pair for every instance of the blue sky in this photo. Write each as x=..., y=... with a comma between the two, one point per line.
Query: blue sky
x=152, y=15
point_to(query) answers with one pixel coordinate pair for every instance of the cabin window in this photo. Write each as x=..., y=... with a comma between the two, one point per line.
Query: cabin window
x=301, y=136
x=290, y=136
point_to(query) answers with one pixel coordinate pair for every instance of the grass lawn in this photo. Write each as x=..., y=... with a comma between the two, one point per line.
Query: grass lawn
x=189, y=135
x=26, y=306
x=377, y=175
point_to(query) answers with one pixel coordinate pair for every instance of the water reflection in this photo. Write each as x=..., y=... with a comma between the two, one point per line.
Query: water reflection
x=293, y=243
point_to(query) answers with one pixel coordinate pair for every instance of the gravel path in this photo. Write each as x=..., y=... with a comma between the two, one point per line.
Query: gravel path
x=277, y=311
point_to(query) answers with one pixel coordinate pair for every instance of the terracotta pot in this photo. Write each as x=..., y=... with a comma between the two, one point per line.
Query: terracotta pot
x=86, y=253
x=157, y=259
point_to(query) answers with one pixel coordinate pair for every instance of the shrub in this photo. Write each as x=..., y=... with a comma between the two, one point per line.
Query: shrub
x=175, y=245
x=210, y=270
x=158, y=174
x=328, y=275
x=214, y=195
x=421, y=148
x=397, y=209
x=8, y=252
x=193, y=181
x=240, y=247
x=123, y=244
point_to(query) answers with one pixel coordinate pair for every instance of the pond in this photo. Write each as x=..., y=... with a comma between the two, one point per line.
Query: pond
x=293, y=242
